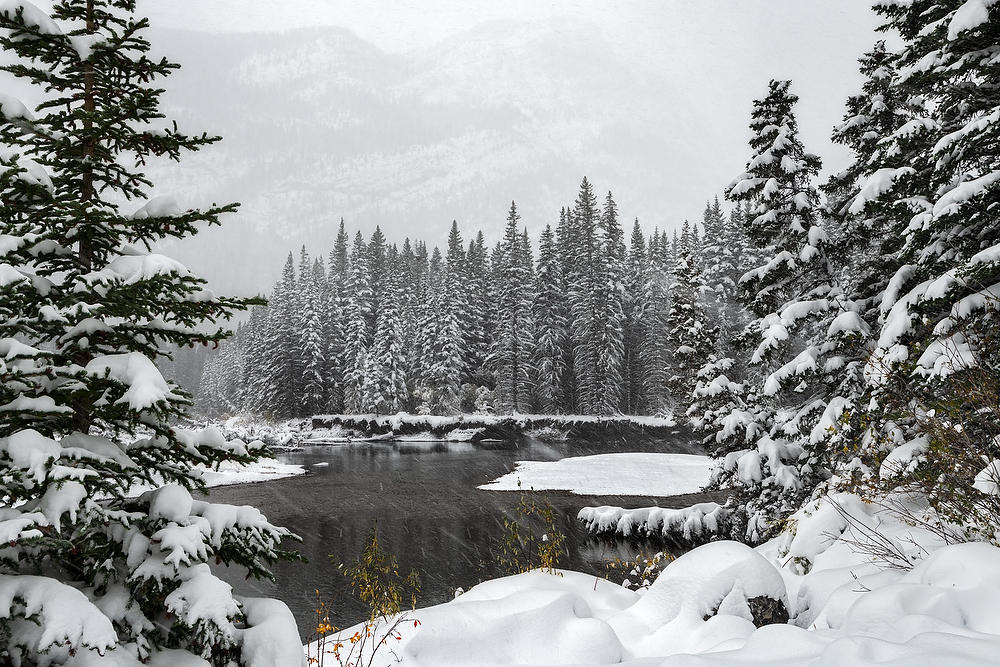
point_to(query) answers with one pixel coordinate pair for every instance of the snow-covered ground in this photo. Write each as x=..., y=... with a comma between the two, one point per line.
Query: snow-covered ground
x=264, y=470
x=628, y=474
x=850, y=603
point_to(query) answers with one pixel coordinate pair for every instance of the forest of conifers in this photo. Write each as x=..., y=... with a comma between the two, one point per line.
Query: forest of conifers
x=584, y=322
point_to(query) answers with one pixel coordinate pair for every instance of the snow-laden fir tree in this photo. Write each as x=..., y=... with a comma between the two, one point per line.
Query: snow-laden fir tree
x=550, y=327
x=333, y=319
x=564, y=247
x=383, y=387
x=439, y=341
x=357, y=336
x=584, y=291
x=219, y=388
x=691, y=335
x=511, y=357
x=456, y=288
x=935, y=183
x=283, y=364
x=255, y=380
x=312, y=301
x=477, y=321
x=943, y=298
x=611, y=286
x=655, y=354
x=636, y=308
x=791, y=294
x=86, y=309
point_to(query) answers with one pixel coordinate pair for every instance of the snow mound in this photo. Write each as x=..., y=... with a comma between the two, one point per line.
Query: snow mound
x=627, y=474
x=706, y=608
x=716, y=580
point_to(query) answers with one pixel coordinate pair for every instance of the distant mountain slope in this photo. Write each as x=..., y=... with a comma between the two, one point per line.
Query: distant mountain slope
x=319, y=124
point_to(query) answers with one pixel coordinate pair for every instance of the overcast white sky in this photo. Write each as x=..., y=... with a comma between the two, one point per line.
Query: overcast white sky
x=715, y=56
x=712, y=48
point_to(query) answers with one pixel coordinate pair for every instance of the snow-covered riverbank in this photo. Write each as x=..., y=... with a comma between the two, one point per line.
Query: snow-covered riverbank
x=727, y=604
x=402, y=427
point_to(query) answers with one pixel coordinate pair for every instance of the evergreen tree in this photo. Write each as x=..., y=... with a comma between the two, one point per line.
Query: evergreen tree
x=357, y=335
x=655, y=354
x=256, y=387
x=512, y=351
x=313, y=397
x=584, y=292
x=383, y=388
x=284, y=363
x=550, y=326
x=565, y=252
x=691, y=338
x=933, y=188
x=334, y=319
x=636, y=306
x=478, y=319
x=611, y=295
x=791, y=290
x=85, y=311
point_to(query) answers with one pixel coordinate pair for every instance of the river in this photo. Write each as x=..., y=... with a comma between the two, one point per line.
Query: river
x=430, y=515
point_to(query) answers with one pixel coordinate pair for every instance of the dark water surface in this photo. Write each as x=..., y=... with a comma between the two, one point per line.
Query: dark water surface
x=430, y=515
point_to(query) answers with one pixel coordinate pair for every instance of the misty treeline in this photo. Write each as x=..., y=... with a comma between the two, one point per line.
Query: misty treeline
x=582, y=320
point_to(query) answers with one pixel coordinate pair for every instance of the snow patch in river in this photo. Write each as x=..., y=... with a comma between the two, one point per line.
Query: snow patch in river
x=627, y=474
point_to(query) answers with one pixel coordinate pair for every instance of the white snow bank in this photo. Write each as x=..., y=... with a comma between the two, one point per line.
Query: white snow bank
x=718, y=578
x=629, y=474
x=857, y=610
x=690, y=523
x=228, y=472
x=270, y=638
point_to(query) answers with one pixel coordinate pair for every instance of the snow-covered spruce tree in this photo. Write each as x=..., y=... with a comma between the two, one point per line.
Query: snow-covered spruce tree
x=426, y=329
x=383, y=388
x=357, y=335
x=313, y=298
x=611, y=354
x=584, y=291
x=456, y=283
x=937, y=180
x=87, y=570
x=255, y=380
x=655, y=354
x=413, y=308
x=510, y=359
x=565, y=243
x=378, y=274
x=550, y=326
x=792, y=294
x=690, y=334
x=477, y=322
x=333, y=320
x=636, y=326
x=440, y=342
x=284, y=360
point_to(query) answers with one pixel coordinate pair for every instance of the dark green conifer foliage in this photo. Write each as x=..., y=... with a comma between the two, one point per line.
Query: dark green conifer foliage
x=85, y=310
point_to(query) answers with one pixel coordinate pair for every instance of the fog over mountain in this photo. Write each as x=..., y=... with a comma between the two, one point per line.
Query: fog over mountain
x=320, y=124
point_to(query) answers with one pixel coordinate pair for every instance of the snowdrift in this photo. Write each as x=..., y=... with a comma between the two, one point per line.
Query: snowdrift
x=815, y=596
